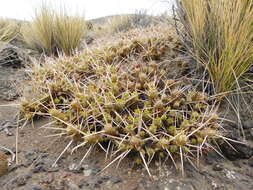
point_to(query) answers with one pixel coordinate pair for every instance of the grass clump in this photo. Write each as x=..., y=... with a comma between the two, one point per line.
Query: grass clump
x=220, y=35
x=52, y=32
x=69, y=32
x=39, y=33
x=119, y=99
x=9, y=29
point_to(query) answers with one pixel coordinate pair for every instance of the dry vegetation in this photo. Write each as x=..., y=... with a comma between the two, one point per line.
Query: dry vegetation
x=124, y=23
x=119, y=97
x=220, y=33
x=9, y=29
x=54, y=32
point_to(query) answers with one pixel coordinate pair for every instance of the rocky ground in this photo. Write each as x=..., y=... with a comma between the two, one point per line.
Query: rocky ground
x=36, y=154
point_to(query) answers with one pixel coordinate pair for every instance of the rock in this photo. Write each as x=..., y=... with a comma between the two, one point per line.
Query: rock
x=89, y=40
x=49, y=170
x=48, y=179
x=104, y=178
x=115, y=180
x=39, y=168
x=83, y=183
x=20, y=180
x=87, y=173
x=250, y=162
x=248, y=124
x=35, y=187
x=92, y=182
x=7, y=125
x=217, y=167
x=12, y=56
x=249, y=134
x=30, y=156
x=96, y=170
x=243, y=151
x=76, y=168
x=72, y=186
x=14, y=167
x=8, y=133
x=132, y=185
x=230, y=174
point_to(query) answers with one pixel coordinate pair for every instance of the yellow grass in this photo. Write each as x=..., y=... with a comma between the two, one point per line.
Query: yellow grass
x=54, y=32
x=221, y=33
x=8, y=29
x=39, y=33
x=68, y=31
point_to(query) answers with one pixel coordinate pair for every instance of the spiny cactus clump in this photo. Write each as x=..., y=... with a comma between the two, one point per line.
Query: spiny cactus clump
x=128, y=107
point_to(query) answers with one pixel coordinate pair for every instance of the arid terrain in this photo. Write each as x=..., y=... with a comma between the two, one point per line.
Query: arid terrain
x=36, y=150
x=36, y=154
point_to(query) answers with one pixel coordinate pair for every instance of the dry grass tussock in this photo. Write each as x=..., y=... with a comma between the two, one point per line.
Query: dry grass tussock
x=54, y=32
x=220, y=33
x=118, y=98
x=9, y=29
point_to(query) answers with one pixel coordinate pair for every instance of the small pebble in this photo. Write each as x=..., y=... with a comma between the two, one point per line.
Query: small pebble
x=72, y=186
x=115, y=180
x=87, y=173
x=217, y=167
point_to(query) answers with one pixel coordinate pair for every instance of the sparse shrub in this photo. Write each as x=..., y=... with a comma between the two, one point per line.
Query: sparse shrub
x=53, y=32
x=220, y=35
x=120, y=99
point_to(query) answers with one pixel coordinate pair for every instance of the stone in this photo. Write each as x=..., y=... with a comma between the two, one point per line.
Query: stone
x=83, y=183
x=217, y=167
x=115, y=180
x=12, y=56
x=48, y=179
x=35, y=187
x=250, y=162
x=87, y=173
x=242, y=150
x=72, y=186
x=248, y=124
x=76, y=168
x=21, y=180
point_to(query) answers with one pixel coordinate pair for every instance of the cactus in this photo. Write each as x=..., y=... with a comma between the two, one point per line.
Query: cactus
x=131, y=105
